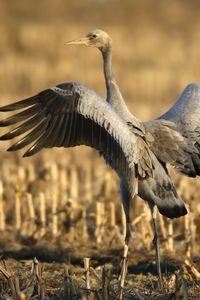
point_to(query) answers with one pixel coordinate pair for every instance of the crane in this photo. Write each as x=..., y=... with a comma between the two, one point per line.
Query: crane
x=71, y=114
x=173, y=147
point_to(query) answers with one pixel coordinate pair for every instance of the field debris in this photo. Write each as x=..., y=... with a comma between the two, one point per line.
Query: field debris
x=61, y=220
x=48, y=222
x=34, y=280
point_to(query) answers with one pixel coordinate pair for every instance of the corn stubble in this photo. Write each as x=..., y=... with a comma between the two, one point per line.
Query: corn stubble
x=54, y=222
x=63, y=206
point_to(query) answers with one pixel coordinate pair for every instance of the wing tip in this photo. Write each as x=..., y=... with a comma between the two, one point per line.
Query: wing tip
x=27, y=154
x=15, y=147
x=19, y=104
x=4, y=123
x=7, y=136
x=11, y=149
x=6, y=108
x=3, y=138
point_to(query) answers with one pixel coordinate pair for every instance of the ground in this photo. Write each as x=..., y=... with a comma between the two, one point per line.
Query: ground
x=63, y=206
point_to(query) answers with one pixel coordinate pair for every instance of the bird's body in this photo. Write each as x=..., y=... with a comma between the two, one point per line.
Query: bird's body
x=167, y=144
x=72, y=114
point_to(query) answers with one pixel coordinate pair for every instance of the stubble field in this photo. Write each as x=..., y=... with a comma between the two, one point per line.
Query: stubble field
x=61, y=220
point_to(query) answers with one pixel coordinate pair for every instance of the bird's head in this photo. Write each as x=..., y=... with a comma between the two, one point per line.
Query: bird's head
x=96, y=38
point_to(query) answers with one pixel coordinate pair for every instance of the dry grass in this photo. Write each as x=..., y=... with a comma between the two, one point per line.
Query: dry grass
x=57, y=208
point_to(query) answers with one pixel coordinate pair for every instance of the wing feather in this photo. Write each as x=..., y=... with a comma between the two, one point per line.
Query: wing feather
x=70, y=115
x=56, y=135
x=30, y=137
x=23, y=127
x=63, y=132
x=20, y=104
x=20, y=116
x=43, y=140
x=184, y=114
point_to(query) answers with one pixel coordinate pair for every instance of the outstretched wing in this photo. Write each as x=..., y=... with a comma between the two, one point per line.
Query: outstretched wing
x=185, y=115
x=68, y=115
x=176, y=134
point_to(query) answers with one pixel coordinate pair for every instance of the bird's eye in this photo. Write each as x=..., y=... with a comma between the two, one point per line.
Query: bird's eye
x=94, y=36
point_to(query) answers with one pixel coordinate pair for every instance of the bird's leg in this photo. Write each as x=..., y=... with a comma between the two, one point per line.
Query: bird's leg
x=124, y=260
x=156, y=243
x=126, y=199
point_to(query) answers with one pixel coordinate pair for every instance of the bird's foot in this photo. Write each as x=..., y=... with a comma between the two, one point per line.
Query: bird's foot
x=120, y=296
x=160, y=282
x=123, y=273
x=158, y=262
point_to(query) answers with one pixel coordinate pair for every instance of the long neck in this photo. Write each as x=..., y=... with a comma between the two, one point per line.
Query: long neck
x=114, y=96
x=107, y=67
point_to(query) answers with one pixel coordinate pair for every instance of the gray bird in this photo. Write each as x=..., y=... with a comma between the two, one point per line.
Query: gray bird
x=161, y=136
x=72, y=114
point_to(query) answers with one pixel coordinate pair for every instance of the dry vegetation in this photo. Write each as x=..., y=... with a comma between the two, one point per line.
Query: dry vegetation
x=63, y=206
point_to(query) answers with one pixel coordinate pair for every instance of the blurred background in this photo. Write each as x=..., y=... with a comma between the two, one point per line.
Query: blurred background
x=156, y=53
x=156, y=48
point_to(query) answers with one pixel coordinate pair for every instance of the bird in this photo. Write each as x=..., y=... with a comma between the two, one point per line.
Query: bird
x=71, y=114
x=161, y=135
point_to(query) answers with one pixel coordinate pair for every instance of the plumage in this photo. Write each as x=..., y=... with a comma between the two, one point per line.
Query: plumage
x=20, y=116
x=72, y=114
x=184, y=114
x=170, y=146
x=23, y=127
x=30, y=137
x=155, y=134
x=159, y=190
x=19, y=104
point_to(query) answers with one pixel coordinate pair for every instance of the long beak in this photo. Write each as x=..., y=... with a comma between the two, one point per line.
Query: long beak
x=81, y=41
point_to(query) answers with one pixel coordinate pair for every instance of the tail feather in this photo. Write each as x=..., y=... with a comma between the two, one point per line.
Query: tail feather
x=160, y=191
